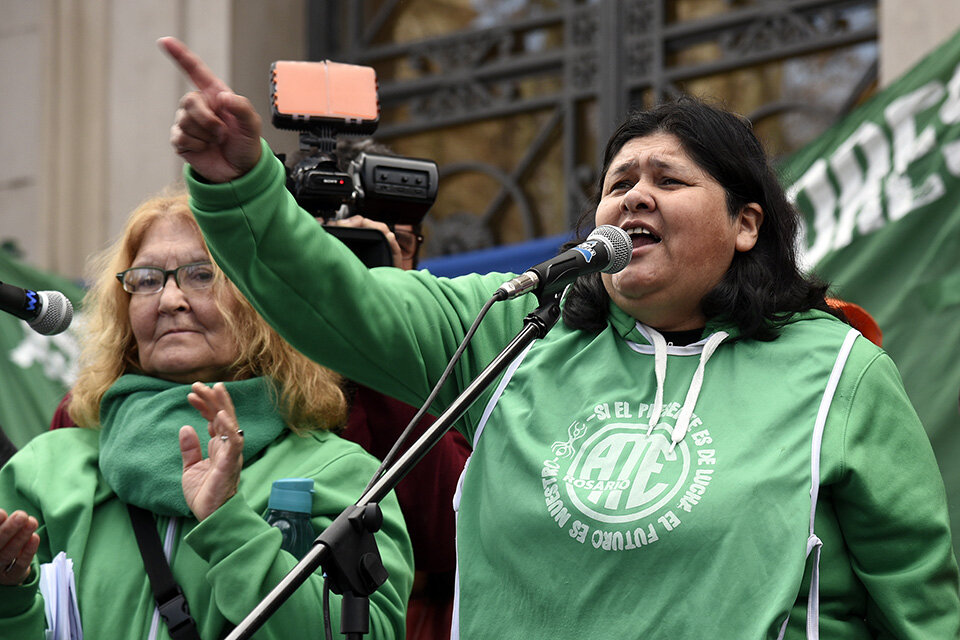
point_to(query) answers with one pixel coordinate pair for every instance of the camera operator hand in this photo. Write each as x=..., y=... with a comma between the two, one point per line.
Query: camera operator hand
x=359, y=222
x=215, y=130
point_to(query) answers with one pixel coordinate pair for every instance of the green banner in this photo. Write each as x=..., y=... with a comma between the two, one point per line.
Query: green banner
x=35, y=370
x=880, y=192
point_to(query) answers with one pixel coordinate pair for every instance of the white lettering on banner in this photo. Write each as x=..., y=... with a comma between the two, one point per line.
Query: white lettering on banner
x=870, y=169
x=860, y=190
x=57, y=355
x=901, y=116
x=816, y=183
x=950, y=114
x=902, y=197
x=950, y=109
x=613, y=484
x=951, y=155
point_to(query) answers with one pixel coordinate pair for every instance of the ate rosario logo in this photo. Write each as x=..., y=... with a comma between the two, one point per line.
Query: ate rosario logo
x=618, y=485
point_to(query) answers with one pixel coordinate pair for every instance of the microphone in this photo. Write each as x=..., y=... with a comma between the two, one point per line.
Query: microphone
x=47, y=312
x=607, y=249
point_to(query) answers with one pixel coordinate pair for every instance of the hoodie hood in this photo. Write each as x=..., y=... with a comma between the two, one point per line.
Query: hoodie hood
x=647, y=340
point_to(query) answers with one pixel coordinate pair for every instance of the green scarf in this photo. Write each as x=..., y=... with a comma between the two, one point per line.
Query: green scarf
x=141, y=417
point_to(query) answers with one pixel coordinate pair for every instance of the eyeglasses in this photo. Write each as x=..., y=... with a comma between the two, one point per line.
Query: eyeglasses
x=408, y=240
x=147, y=280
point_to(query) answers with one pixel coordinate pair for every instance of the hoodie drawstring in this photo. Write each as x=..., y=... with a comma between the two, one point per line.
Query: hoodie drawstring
x=686, y=412
x=660, y=369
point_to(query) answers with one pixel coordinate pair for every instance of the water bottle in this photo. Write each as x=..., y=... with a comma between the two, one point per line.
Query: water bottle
x=289, y=509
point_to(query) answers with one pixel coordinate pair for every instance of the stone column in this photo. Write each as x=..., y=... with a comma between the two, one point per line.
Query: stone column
x=910, y=29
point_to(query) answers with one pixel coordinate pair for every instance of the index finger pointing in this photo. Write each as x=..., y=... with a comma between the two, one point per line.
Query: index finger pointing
x=190, y=63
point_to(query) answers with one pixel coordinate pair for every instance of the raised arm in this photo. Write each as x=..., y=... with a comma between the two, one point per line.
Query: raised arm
x=215, y=130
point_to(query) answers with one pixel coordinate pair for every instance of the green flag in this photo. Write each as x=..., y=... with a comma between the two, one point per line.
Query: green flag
x=880, y=192
x=35, y=370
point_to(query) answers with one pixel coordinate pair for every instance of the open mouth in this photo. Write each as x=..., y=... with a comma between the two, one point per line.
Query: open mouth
x=642, y=237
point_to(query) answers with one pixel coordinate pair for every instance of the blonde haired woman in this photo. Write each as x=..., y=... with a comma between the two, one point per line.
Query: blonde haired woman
x=168, y=340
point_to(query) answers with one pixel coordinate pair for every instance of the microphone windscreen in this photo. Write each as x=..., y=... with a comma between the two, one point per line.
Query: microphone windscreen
x=56, y=313
x=620, y=245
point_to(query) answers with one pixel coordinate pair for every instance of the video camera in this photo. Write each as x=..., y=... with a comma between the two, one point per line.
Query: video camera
x=327, y=100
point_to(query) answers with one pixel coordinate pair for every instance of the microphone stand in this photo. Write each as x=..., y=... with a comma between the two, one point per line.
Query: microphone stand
x=347, y=549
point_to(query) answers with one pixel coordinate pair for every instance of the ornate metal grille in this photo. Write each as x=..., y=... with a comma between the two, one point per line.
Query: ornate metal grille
x=570, y=70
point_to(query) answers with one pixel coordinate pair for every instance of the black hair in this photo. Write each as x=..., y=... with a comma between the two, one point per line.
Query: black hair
x=764, y=285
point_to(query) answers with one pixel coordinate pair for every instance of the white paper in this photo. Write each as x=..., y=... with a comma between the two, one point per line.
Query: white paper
x=59, y=592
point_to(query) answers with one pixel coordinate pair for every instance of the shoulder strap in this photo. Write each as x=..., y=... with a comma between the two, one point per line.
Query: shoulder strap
x=170, y=599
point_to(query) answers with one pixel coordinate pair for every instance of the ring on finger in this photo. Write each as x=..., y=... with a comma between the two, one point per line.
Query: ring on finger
x=224, y=438
x=10, y=566
x=240, y=432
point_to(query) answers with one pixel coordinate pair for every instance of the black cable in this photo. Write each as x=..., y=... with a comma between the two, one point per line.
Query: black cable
x=327, y=631
x=388, y=459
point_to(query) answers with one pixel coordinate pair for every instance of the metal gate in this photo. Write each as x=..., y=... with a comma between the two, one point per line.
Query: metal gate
x=564, y=73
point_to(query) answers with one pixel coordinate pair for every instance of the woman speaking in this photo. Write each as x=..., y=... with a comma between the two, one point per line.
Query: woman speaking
x=701, y=449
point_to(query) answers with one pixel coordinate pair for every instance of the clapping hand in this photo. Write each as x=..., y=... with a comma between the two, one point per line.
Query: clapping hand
x=211, y=481
x=18, y=544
